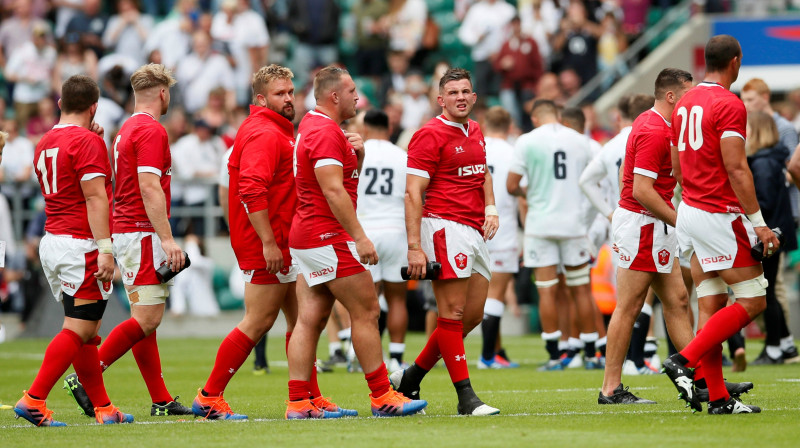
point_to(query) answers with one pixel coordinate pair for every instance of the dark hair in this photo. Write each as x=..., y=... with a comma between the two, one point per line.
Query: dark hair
x=622, y=107
x=574, y=116
x=639, y=103
x=497, y=119
x=720, y=51
x=670, y=79
x=454, y=74
x=376, y=118
x=544, y=107
x=78, y=93
x=326, y=79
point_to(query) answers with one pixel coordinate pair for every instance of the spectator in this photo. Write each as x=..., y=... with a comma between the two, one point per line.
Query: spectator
x=767, y=157
x=197, y=157
x=634, y=17
x=126, y=32
x=755, y=96
x=610, y=46
x=176, y=125
x=215, y=113
x=43, y=122
x=576, y=41
x=316, y=25
x=17, y=31
x=65, y=11
x=173, y=36
x=539, y=19
x=371, y=36
x=17, y=163
x=483, y=30
x=202, y=71
x=520, y=66
x=394, y=110
x=416, y=105
x=394, y=81
x=245, y=33
x=73, y=59
x=406, y=25
x=550, y=89
x=110, y=116
x=570, y=82
x=31, y=68
x=90, y=23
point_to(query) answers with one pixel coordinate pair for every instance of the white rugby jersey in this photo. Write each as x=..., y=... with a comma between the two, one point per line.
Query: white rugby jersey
x=553, y=158
x=382, y=185
x=499, y=157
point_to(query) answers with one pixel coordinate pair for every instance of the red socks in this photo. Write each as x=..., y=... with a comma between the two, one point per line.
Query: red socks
x=451, y=345
x=121, y=339
x=57, y=358
x=378, y=381
x=87, y=366
x=712, y=368
x=429, y=355
x=722, y=325
x=299, y=390
x=232, y=353
x=147, y=358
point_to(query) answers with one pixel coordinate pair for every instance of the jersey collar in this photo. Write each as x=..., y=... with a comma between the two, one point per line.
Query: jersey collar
x=662, y=117
x=144, y=113
x=709, y=84
x=464, y=128
x=65, y=125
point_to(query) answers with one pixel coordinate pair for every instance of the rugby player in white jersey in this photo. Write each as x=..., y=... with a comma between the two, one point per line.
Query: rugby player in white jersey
x=553, y=156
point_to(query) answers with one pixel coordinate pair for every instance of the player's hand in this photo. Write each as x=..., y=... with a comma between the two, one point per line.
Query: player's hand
x=105, y=268
x=366, y=251
x=355, y=140
x=273, y=257
x=175, y=258
x=417, y=262
x=490, y=226
x=771, y=242
x=97, y=129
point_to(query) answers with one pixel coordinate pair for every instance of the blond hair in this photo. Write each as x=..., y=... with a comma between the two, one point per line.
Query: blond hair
x=327, y=79
x=763, y=132
x=266, y=75
x=152, y=75
x=3, y=139
x=758, y=85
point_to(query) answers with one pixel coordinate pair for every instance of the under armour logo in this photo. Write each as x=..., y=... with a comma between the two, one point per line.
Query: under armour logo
x=461, y=357
x=231, y=370
x=459, y=149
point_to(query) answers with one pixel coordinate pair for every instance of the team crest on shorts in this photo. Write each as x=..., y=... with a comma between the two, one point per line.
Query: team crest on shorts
x=663, y=257
x=461, y=260
x=285, y=270
x=106, y=286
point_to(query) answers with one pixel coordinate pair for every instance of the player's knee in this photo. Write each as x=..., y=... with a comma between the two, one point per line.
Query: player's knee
x=712, y=287
x=471, y=322
x=578, y=277
x=755, y=287
x=91, y=312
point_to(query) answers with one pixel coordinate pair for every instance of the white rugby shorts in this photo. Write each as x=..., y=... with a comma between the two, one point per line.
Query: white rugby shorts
x=458, y=247
x=138, y=255
x=720, y=240
x=69, y=265
x=322, y=264
x=543, y=252
x=391, y=245
x=645, y=243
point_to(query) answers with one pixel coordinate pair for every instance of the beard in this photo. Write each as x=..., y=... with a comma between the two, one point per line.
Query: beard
x=287, y=111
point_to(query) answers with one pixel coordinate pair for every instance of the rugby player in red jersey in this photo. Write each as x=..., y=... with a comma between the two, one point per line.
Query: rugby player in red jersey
x=331, y=248
x=718, y=222
x=447, y=163
x=71, y=163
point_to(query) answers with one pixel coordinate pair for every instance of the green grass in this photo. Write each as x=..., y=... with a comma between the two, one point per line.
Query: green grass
x=538, y=408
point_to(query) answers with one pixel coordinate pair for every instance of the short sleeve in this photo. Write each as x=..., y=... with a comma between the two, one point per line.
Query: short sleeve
x=730, y=117
x=423, y=154
x=326, y=143
x=651, y=147
x=149, y=146
x=259, y=158
x=224, y=177
x=93, y=161
x=518, y=164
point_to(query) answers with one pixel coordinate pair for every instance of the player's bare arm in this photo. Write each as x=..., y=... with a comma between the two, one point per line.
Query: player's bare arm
x=415, y=187
x=645, y=192
x=155, y=205
x=222, y=192
x=94, y=191
x=512, y=185
x=272, y=253
x=492, y=221
x=589, y=182
x=358, y=144
x=331, y=182
x=741, y=179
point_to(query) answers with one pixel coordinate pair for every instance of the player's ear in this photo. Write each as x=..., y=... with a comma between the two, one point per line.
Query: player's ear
x=59, y=103
x=439, y=100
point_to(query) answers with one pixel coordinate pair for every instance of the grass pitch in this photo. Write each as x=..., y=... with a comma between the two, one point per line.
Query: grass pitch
x=537, y=408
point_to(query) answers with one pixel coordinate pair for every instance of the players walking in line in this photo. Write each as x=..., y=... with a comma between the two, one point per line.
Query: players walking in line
x=644, y=234
x=447, y=163
x=708, y=129
x=504, y=247
x=381, y=212
x=262, y=201
x=553, y=156
x=71, y=163
x=142, y=236
x=330, y=246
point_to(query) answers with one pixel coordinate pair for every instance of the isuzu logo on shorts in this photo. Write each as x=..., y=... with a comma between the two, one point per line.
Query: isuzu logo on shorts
x=321, y=272
x=663, y=257
x=716, y=259
x=469, y=170
x=461, y=260
x=68, y=285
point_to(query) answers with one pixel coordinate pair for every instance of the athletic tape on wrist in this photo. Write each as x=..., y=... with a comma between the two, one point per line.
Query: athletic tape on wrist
x=104, y=245
x=491, y=210
x=757, y=219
